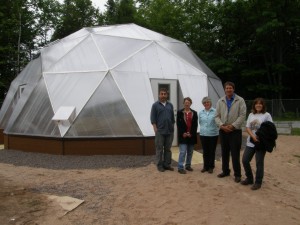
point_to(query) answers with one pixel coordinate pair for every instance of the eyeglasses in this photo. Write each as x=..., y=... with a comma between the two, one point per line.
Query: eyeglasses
x=205, y=102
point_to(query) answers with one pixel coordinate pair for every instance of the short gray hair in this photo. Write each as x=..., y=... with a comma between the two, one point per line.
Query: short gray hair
x=206, y=99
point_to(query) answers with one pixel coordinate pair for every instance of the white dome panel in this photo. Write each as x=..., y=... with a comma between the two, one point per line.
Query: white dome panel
x=132, y=93
x=83, y=57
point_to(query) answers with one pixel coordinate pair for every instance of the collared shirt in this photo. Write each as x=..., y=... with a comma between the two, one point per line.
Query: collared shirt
x=229, y=101
x=207, y=123
x=163, y=117
x=237, y=114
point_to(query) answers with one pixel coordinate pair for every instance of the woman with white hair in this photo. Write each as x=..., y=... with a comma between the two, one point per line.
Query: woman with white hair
x=209, y=133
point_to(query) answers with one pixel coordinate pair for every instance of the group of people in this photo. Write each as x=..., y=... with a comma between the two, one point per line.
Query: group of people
x=223, y=122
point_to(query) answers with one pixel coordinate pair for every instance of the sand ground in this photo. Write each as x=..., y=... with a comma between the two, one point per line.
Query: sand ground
x=144, y=196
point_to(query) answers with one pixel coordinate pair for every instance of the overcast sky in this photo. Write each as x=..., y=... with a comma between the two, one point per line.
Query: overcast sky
x=99, y=4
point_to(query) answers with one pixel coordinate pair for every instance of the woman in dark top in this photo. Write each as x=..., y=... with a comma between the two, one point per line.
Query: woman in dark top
x=187, y=123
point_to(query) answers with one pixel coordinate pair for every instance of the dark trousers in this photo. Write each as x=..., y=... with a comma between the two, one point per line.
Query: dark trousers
x=209, y=145
x=259, y=158
x=163, y=144
x=231, y=144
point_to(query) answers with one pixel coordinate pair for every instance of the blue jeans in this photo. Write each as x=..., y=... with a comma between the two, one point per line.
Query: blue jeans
x=185, y=154
x=163, y=143
x=259, y=158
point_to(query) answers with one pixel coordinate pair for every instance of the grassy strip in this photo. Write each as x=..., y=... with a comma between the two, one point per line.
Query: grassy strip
x=295, y=131
x=286, y=119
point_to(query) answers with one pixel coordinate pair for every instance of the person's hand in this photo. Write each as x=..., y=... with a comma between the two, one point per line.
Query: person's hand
x=227, y=128
x=255, y=139
x=155, y=129
x=185, y=135
x=231, y=127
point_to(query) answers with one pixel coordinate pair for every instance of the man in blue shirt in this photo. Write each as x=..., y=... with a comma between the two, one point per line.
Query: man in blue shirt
x=230, y=115
x=162, y=120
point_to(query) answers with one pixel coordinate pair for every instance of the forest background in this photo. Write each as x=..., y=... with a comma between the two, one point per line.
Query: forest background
x=254, y=43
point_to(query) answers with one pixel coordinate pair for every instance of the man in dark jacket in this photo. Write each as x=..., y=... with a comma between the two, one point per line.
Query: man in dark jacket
x=162, y=120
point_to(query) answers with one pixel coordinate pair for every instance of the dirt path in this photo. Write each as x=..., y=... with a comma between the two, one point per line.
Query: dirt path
x=141, y=195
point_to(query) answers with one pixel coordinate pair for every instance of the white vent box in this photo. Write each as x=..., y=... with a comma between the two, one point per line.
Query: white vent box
x=65, y=115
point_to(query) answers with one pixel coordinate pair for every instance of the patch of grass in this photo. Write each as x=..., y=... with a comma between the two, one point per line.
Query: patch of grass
x=295, y=131
x=286, y=119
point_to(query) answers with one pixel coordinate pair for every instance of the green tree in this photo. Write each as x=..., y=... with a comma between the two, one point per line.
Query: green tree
x=16, y=39
x=47, y=17
x=163, y=16
x=75, y=14
x=126, y=12
x=275, y=43
x=111, y=14
x=256, y=45
x=199, y=27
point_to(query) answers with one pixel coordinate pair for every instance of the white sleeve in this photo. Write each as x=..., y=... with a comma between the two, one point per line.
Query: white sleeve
x=249, y=120
x=269, y=117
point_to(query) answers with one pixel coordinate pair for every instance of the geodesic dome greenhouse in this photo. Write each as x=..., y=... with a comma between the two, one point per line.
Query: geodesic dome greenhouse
x=92, y=91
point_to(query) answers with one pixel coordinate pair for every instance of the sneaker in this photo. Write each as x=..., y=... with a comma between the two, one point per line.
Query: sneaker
x=237, y=179
x=189, y=168
x=181, y=171
x=221, y=175
x=210, y=170
x=160, y=169
x=247, y=181
x=256, y=187
x=169, y=168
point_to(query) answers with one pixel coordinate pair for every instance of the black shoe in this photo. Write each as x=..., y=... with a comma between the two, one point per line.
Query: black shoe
x=169, y=168
x=210, y=170
x=203, y=170
x=256, y=187
x=189, y=168
x=160, y=169
x=221, y=175
x=247, y=181
x=181, y=171
x=237, y=179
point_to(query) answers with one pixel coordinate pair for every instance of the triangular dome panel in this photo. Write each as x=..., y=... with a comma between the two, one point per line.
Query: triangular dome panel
x=54, y=52
x=30, y=75
x=132, y=31
x=117, y=49
x=106, y=114
x=72, y=89
x=194, y=86
x=34, y=118
x=130, y=89
x=152, y=35
x=127, y=31
x=182, y=51
x=158, y=63
x=144, y=61
x=83, y=57
x=172, y=64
